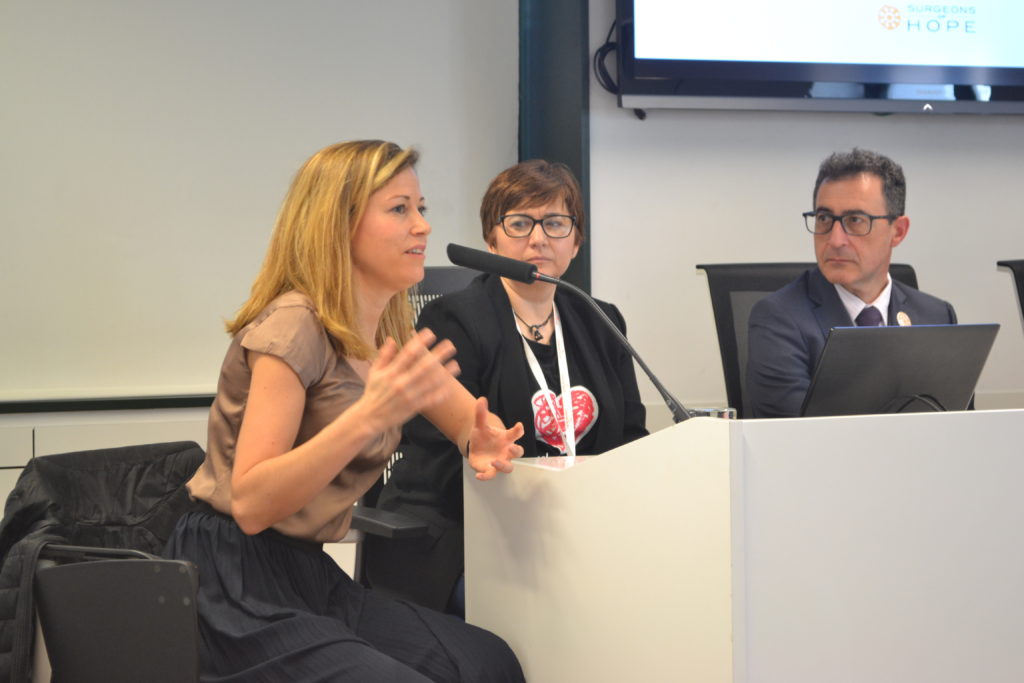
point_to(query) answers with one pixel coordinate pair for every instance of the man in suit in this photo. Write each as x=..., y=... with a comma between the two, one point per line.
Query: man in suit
x=858, y=219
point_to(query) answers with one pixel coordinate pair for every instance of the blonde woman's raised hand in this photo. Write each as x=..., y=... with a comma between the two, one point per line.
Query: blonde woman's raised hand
x=492, y=448
x=406, y=381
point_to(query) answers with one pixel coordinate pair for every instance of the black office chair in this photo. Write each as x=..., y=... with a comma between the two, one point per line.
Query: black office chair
x=366, y=517
x=735, y=288
x=1017, y=268
x=438, y=281
x=128, y=499
x=78, y=546
x=116, y=615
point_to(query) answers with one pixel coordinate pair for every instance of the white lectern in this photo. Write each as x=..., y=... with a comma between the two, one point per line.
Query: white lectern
x=874, y=548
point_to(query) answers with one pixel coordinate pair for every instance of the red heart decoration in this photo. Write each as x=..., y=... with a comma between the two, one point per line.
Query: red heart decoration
x=550, y=426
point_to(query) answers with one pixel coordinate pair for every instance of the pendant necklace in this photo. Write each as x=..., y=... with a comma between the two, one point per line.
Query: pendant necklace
x=535, y=329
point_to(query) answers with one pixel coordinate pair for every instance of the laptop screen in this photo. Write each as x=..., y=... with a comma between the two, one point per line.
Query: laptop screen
x=919, y=368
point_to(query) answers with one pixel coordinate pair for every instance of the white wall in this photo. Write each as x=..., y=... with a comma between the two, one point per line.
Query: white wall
x=689, y=187
x=147, y=145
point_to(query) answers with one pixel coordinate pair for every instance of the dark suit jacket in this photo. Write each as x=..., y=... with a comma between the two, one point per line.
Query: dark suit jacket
x=427, y=481
x=787, y=332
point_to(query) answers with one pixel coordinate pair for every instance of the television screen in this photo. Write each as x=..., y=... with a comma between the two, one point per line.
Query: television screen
x=928, y=57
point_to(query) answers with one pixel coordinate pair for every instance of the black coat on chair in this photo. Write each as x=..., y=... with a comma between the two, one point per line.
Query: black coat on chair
x=129, y=497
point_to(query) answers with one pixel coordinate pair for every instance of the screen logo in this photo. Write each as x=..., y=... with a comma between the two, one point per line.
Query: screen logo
x=927, y=18
x=889, y=17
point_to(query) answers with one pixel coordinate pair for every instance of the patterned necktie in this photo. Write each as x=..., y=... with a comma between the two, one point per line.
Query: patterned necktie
x=869, y=317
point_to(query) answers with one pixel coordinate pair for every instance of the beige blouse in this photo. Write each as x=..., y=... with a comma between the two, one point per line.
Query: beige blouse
x=290, y=329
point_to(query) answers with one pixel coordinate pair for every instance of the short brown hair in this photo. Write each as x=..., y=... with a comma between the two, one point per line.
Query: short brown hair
x=531, y=183
x=842, y=165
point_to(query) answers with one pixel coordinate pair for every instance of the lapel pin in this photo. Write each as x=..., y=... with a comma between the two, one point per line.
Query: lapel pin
x=903, y=319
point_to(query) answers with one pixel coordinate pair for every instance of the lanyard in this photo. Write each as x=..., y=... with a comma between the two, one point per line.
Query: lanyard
x=568, y=422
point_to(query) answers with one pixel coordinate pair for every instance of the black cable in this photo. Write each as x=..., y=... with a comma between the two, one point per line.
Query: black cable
x=926, y=399
x=601, y=73
x=604, y=78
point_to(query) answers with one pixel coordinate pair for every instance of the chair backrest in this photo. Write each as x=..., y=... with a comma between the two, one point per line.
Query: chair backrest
x=438, y=281
x=735, y=288
x=1017, y=268
x=117, y=616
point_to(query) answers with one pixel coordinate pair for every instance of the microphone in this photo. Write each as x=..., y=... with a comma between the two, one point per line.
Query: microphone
x=486, y=262
x=521, y=271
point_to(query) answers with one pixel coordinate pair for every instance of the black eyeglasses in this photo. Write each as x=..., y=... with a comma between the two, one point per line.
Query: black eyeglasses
x=854, y=223
x=555, y=226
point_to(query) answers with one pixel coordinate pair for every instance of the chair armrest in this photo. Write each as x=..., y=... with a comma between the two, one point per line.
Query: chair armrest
x=387, y=524
x=62, y=553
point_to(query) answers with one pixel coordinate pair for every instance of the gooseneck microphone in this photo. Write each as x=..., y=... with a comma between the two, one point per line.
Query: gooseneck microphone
x=486, y=262
x=521, y=271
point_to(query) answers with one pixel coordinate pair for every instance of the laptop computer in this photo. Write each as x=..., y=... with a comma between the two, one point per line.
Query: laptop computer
x=919, y=368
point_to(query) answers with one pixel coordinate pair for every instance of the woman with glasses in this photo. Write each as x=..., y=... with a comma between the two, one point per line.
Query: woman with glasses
x=522, y=346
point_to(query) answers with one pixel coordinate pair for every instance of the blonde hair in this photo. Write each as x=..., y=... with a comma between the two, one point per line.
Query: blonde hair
x=310, y=249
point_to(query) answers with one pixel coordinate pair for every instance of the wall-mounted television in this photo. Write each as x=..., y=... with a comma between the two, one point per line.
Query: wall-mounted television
x=855, y=55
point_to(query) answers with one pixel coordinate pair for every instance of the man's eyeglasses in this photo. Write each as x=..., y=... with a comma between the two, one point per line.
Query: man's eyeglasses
x=555, y=226
x=854, y=223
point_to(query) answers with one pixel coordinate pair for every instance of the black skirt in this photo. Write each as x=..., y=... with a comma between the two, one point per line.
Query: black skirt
x=273, y=608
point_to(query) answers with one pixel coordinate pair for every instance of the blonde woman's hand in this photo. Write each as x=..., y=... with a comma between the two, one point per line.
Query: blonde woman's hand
x=406, y=381
x=492, y=449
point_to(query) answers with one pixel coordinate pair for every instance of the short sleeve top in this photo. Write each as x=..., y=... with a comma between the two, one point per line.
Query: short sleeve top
x=290, y=329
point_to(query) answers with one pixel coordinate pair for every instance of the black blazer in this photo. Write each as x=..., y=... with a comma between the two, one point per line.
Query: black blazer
x=427, y=481
x=787, y=332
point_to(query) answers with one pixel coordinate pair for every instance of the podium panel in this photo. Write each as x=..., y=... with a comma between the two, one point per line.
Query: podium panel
x=881, y=548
